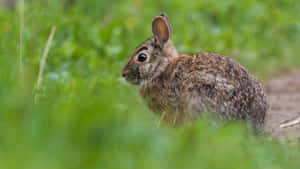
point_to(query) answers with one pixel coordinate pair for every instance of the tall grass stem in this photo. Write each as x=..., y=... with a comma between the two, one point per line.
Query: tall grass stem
x=44, y=57
x=21, y=29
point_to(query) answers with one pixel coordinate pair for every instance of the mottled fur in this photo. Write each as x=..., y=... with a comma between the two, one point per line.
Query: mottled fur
x=182, y=87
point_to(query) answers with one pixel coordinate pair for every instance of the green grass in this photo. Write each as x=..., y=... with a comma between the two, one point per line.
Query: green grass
x=86, y=116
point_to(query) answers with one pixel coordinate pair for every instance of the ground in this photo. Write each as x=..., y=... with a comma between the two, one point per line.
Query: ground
x=283, y=93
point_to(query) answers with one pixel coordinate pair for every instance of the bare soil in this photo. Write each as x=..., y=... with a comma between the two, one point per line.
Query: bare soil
x=283, y=94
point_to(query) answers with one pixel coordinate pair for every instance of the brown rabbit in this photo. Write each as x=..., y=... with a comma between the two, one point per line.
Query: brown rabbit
x=181, y=87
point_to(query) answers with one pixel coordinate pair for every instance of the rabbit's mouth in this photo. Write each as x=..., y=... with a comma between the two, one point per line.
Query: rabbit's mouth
x=132, y=77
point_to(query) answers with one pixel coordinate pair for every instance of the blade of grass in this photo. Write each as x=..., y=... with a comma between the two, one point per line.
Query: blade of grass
x=21, y=35
x=44, y=57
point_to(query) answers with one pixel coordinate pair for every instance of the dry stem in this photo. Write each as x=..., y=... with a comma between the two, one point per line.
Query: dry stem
x=44, y=57
x=290, y=123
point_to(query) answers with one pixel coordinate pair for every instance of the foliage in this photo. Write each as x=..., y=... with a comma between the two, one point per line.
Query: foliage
x=86, y=116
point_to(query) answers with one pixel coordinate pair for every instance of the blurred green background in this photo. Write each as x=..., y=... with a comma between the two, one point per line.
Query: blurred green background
x=85, y=116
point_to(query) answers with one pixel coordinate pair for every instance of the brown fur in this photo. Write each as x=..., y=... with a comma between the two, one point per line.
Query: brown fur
x=183, y=87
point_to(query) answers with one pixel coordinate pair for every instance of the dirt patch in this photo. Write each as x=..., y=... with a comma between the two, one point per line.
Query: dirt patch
x=283, y=94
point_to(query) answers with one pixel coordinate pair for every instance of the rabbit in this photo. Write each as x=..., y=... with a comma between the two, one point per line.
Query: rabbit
x=181, y=88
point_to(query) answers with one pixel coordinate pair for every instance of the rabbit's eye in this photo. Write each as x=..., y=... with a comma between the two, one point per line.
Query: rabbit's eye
x=142, y=57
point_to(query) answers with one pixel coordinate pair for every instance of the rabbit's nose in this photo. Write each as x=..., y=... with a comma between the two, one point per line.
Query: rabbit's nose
x=124, y=73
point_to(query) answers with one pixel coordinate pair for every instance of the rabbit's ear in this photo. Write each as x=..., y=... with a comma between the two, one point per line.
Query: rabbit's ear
x=161, y=29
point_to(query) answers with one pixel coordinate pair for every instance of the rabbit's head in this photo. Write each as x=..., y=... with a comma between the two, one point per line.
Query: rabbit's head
x=151, y=57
